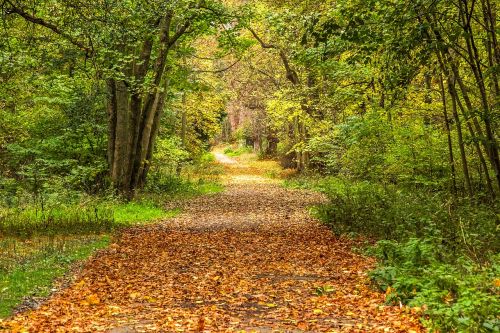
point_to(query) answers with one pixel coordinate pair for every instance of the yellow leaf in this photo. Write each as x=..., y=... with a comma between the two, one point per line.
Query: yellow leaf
x=150, y=299
x=302, y=325
x=271, y=305
x=317, y=311
x=93, y=300
x=80, y=284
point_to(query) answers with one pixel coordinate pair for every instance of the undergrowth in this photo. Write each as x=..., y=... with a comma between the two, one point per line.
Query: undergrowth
x=40, y=239
x=235, y=152
x=31, y=278
x=436, y=253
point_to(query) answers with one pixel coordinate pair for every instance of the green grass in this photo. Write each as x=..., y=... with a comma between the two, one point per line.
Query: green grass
x=35, y=248
x=238, y=151
x=209, y=188
x=38, y=247
x=140, y=212
x=34, y=277
x=68, y=220
x=94, y=219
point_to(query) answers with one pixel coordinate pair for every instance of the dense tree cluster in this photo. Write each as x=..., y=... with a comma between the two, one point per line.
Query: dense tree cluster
x=396, y=91
x=85, y=86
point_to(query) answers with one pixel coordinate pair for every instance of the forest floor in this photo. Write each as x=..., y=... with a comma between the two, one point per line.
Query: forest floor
x=250, y=259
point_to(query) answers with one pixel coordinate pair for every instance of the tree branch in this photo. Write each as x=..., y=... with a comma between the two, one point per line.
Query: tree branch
x=181, y=31
x=219, y=70
x=39, y=21
x=291, y=74
x=262, y=43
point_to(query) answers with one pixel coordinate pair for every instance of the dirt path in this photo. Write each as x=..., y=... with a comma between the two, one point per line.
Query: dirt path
x=250, y=259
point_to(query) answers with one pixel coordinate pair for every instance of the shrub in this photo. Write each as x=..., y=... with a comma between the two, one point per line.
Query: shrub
x=455, y=295
x=387, y=212
x=436, y=252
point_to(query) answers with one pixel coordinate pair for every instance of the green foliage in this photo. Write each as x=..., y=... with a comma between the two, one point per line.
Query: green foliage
x=60, y=152
x=395, y=213
x=458, y=297
x=437, y=253
x=169, y=156
x=195, y=177
x=229, y=151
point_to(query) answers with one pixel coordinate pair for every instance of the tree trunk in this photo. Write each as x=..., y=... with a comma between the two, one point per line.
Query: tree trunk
x=272, y=145
x=475, y=64
x=463, y=156
x=448, y=136
x=121, y=159
x=479, y=151
x=134, y=116
x=184, y=121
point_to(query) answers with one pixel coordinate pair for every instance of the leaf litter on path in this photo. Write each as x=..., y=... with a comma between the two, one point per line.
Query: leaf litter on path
x=250, y=259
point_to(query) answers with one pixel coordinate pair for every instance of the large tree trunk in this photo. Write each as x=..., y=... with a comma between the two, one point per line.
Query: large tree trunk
x=134, y=116
x=129, y=162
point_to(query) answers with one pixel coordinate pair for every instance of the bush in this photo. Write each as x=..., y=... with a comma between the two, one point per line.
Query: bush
x=388, y=212
x=461, y=296
x=437, y=253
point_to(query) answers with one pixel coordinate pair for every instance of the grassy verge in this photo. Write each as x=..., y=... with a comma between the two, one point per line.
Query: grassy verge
x=133, y=213
x=33, y=276
x=38, y=247
x=436, y=253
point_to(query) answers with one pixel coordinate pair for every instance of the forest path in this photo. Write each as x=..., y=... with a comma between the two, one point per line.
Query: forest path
x=250, y=259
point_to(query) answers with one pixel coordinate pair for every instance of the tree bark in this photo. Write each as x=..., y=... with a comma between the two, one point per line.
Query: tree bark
x=134, y=116
x=463, y=156
x=448, y=136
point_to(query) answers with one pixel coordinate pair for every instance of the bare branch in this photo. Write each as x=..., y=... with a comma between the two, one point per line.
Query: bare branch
x=262, y=43
x=219, y=70
x=181, y=31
